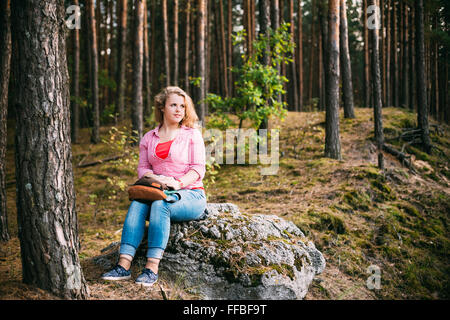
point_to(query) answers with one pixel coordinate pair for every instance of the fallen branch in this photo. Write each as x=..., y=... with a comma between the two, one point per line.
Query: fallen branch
x=93, y=163
x=404, y=158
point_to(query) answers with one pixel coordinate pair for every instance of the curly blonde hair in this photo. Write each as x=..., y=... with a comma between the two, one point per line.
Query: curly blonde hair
x=190, y=117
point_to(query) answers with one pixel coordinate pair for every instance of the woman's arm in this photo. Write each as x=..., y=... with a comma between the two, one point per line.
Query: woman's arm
x=144, y=166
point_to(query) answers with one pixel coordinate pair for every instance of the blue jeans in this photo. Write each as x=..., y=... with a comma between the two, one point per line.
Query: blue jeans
x=191, y=206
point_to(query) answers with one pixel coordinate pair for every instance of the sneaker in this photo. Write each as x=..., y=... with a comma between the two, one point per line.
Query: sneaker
x=147, y=278
x=117, y=273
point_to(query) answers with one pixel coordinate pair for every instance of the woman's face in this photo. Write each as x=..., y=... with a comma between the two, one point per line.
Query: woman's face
x=175, y=109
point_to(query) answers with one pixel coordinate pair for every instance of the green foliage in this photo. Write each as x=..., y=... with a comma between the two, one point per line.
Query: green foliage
x=258, y=85
x=121, y=141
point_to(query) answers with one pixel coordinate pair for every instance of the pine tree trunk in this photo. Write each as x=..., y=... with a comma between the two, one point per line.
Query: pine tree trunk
x=405, y=69
x=311, y=53
x=412, y=69
x=275, y=22
x=138, y=60
x=230, y=46
x=332, y=140
x=324, y=46
x=435, y=72
x=46, y=212
x=422, y=106
x=175, y=43
x=75, y=84
x=264, y=23
x=93, y=72
x=388, y=55
x=5, y=64
x=223, y=51
x=121, y=59
x=395, y=85
x=300, y=57
x=346, y=64
x=147, y=86
x=294, y=87
x=200, y=59
x=366, y=83
x=187, y=45
x=377, y=103
x=166, y=42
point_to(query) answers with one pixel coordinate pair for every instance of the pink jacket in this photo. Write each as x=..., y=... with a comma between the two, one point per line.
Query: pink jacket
x=186, y=152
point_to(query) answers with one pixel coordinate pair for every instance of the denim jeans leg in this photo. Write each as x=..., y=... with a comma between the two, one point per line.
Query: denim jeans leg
x=133, y=227
x=190, y=207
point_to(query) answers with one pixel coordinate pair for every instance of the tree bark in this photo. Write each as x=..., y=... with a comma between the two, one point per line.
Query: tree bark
x=138, y=59
x=200, y=59
x=377, y=102
x=93, y=72
x=346, y=64
x=422, y=106
x=46, y=211
x=166, y=42
x=5, y=64
x=332, y=140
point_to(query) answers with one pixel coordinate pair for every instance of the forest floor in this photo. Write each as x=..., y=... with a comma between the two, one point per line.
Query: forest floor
x=360, y=218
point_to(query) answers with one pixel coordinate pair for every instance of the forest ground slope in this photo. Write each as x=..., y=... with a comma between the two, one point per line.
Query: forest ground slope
x=395, y=221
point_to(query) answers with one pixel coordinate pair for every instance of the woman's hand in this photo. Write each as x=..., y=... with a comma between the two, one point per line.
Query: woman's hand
x=175, y=184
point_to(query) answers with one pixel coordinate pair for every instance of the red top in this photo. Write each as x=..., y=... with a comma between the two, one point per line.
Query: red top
x=162, y=151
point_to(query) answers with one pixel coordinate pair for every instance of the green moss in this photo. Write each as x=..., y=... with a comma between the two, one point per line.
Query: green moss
x=408, y=208
x=332, y=223
x=357, y=200
x=284, y=269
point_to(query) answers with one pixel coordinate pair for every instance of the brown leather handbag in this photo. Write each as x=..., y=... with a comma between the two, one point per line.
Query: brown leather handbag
x=149, y=189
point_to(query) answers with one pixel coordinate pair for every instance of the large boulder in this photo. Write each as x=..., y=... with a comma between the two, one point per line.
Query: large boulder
x=233, y=255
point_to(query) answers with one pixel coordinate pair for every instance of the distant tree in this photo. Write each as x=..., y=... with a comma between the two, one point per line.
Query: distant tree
x=376, y=87
x=300, y=56
x=166, y=42
x=46, y=211
x=175, y=43
x=93, y=72
x=346, y=64
x=138, y=67
x=332, y=140
x=121, y=58
x=422, y=105
x=200, y=59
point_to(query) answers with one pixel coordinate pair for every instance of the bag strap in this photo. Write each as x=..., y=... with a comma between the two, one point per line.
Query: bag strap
x=170, y=193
